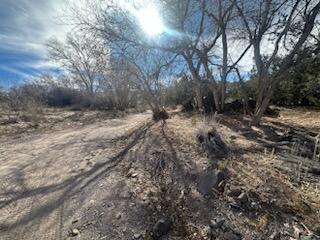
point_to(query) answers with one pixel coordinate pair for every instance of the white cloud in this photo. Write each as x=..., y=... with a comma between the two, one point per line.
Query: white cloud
x=25, y=27
x=15, y=71
x=236, y=48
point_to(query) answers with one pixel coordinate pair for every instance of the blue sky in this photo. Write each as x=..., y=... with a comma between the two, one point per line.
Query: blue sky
x=25, y=27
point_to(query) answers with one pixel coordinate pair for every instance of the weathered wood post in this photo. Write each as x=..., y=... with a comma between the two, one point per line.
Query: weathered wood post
x=316, y=147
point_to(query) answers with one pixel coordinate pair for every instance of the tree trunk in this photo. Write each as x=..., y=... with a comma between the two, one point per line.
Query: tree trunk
x=196, y=81
x=262, y=106
x=222, y=96
x=244, y=92
x=215, y=94
x=224, y=68
x=198, y=97
x=213, y=85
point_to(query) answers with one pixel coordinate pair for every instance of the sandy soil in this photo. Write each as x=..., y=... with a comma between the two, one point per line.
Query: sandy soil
x=114, y=178
x=47, y=178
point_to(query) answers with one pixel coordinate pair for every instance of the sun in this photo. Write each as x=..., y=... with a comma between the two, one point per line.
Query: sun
x=150, y=21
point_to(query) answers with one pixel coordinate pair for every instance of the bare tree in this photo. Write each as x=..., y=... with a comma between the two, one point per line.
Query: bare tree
x=222, y=14
x=282, y=25
x=144, y=60
x=146, y=68
x=121, y=83
x=204, y=29
x=84, y=58
x=186, y=29
x=196, y=29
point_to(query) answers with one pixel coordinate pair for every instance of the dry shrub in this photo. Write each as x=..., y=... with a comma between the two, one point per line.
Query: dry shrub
x=32, y=113
x=161, y=114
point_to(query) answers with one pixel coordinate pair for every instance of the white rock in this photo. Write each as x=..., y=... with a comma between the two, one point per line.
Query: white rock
x=118, y=216
x=137, y=236
x=75, y=232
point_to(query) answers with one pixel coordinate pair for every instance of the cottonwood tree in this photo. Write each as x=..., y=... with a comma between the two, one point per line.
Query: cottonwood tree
x=281, y=26
x=121, y=84
x=117, y=26
x=200, y=31
x=195, y=30
x=147, y=68
x=201, y=35
x=187, y=25
x=84, y=58
x=216, y=57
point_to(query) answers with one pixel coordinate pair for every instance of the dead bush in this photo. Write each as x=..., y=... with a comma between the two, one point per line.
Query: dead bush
x=161, y=114
x=32, y=113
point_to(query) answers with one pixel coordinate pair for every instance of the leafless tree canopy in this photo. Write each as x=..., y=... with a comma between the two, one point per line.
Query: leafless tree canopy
x=108, y=48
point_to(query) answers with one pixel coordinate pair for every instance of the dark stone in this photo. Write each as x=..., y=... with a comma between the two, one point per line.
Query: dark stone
x=217, y=223
x=231, y=236
x=209, y=181
x=317, y=231
x=161, y=228
x=234, y=192
x=235, y=206
x=253, y=195
x=276, y=236
x=243, y=199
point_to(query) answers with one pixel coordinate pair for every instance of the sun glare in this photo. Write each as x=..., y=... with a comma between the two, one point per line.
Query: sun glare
x=150, y=21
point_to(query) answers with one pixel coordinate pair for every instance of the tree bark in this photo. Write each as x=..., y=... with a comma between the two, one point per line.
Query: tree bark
x=224, y=68
x=198, y=96
x=213, y=85
x=196, y=81
x=262, y=106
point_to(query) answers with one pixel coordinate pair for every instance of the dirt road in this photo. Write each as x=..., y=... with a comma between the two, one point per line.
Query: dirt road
x=48, y=180
x=115, y=179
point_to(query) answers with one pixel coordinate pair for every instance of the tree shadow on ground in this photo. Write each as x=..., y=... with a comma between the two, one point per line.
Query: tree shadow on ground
x=66, y=189
x=272, y=134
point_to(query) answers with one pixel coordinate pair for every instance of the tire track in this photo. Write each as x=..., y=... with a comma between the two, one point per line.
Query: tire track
x=37, y=202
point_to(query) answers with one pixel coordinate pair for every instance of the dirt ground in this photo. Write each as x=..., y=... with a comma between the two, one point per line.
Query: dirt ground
x=92, y=176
